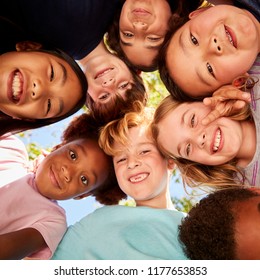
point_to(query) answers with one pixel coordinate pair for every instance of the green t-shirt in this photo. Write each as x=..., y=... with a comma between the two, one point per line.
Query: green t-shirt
x=123, y=233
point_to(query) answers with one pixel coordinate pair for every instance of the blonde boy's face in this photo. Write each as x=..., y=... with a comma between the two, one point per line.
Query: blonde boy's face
x=213, y=48
x=212, y=144
x=141, y=171
x=72, y=170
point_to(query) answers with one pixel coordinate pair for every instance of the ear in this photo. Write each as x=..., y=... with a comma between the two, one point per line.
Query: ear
x=82, y=196
x=197, y=12
x=171, y=164
x=27, y=46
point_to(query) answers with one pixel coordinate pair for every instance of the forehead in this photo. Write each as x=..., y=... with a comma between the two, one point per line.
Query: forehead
x=136, y=136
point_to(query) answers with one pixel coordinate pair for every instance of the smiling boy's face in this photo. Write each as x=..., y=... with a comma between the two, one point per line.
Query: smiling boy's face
x=72, y=170
x=141, y=171
x=214, y=47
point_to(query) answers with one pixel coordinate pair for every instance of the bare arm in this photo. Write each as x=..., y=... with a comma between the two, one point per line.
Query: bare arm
x=19, y=244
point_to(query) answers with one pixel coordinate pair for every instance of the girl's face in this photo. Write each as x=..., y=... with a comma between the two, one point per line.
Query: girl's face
x=142, y=27
x=37, y=85
x=141, y=171
x=182, y=135
x=214, y=47
x=107, y=76
x=72, y=170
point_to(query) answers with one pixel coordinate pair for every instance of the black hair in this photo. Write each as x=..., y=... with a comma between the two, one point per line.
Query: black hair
x=7, y=123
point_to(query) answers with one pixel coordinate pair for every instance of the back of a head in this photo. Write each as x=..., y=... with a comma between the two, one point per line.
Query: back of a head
x=208, y=231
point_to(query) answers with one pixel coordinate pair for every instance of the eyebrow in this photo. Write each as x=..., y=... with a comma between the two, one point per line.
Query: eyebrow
x=147, y=47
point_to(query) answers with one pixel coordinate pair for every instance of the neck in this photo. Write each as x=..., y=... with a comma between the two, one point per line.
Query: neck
x=161, y=201
x=248, y=146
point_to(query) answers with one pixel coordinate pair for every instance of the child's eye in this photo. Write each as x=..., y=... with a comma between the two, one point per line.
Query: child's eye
x=121, y=160
x=145, y=152
x=52, y=74
x=124, y=85
x=192, y=121
x=104, y=96
x=188, y=148
x=194, y=40
x=128, y=34
x=73, y=156
x=84, y=180
x=154, y=39
x=210, y=69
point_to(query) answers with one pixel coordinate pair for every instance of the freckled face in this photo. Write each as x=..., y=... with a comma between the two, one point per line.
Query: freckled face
x=72, y=170
x=141, y=171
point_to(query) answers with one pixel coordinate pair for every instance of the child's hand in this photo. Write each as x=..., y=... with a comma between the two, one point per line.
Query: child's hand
x=224, y=102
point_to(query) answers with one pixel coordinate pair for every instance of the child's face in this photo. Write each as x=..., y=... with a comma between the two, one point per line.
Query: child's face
x=140, y=169
x=107, y=76
x=36, y=85
x=212, y=49
x=72, y=170
x=182, y=135
x=142, y=28
x=248, y=229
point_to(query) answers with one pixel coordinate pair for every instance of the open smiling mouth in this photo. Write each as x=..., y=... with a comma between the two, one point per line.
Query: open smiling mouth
x=103, y=72
x=230, y=37
x=138, y=178
x=17, y=87
x=217, y=141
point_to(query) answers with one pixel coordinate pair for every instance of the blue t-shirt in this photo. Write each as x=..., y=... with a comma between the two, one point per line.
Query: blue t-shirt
x=75, y=26
x=123, y=233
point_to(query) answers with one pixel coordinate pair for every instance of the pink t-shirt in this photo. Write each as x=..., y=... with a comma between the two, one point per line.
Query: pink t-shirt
x=13, y=159
x=22, y=206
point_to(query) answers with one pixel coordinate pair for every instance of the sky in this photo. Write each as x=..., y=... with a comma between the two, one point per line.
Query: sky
x=47, y=137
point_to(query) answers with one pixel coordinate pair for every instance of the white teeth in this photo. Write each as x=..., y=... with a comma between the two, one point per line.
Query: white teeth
x=103, y=73
x=138, y=178
x=16, y=86
x=217, y=141
x=229, y=37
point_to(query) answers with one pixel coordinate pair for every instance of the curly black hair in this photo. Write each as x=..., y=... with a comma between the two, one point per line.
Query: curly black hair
x=208, y=231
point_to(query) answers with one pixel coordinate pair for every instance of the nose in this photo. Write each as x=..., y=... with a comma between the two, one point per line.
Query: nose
x=201, y=140
x=133, y=162
x=65, y=173
x=140, y=25
x=216, y=46
x=37, y=89
x=108, y=82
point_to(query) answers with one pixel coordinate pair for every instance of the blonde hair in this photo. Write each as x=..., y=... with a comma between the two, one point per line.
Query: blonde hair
x=195, y=174
x=118, y=130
